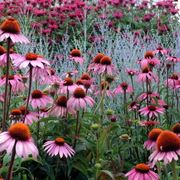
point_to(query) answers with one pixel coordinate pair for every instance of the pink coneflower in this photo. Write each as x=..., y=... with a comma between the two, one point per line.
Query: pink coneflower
x=172, y=81
x=10, y=28
x=60, y=107
x=39, y=99
x=173, y=59
x=94, y=66
x=30, y=116
x=30, y=59
x=43, y=112
x=131, y=72
x=142, y=172
x=146, y=95
x=145, y=75
x=15, y=81
x=105, y=89
x=58, y=147
x=151, y=111
x=106, y=66
x=19, y=133
x=152, y=137
x=12, y=55
x=161, y=50
x=176, y=129
x=76, y=56
x=148, y=123
x=79, y=100
x=67, y=86
x=123, y=88
x=168, y=148
x=133, y=106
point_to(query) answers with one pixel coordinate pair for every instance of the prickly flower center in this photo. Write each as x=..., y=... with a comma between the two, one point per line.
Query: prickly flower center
x=85, y=76
x=20, y=131
x=79, y=93
x=145, y=70
x=23, y=110
x=36, y=94
x=149, y=54
x=75, y=53
x=106, y=60
x=124, y=85
x=61, y=101
x=31, y=56
x=60, y=141
x=142, y=168
x=176, y=128
x=151, y=108
x=16, y=112
x=97, y=58
x=168, y=141
x=10, y=25
x=154, y=133
x=68, y=81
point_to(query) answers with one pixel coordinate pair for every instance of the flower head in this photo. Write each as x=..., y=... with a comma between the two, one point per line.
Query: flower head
x=168, y=148
x=10, y=28
x=19, y=133
x=58, y=147
x=176, y=129
x=76, y=56
x=142, y=172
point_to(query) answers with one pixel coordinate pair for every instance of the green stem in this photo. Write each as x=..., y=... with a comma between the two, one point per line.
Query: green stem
x=6, y=86
x=175, y=177
x=76, y=130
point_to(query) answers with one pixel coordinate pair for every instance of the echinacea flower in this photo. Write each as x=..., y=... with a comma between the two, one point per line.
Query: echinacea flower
x=94, y=66
x=176, y=129
x=148, y=95
x=142, y=172
x=148, y=123
x=123, y=88
x=106, y=66
x=67, y=86
x=172, y=81
x=133, y=106
x=151, y=111
x=145, y=75
x=79, y=100
x=173, y=59
x=32, y=59
x=60, y=108
x=30, y=116
x=10, y=28
x=168, y=148
x=76, y=56
x=15, y=81
x=161, y=50
x=152, y=137
x=39, y=99
x=18, y=133
x=58, y=147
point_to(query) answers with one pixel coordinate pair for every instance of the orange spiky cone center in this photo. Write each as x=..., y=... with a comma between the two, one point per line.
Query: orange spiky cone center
x=85, y=76
x=75, y=53
x=16, y=112
x=176, y=128
x=61, y=101
x=168, y=141
x=23, y=110
x=20, y=131
x=36, y=94
x=154, y=133
x=149, y=54
x=79, y=93
x=31, y=56
x=11, y=25
x=142, y=168
x=106, y=60
x=60, y=141
x=98, y=57
x=68, y=81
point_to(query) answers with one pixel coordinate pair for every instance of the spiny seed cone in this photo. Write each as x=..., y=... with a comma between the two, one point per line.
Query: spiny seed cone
x=152, y=108
x=75, y=53
x=61, y=101
x=20, y=131
x=79, y=93
x=16, y=112
x=36, y=94
x=124, y=85
x=149, y=54
x=11, y=77
x=98, y=57
x=68, y=81
x=85, y=76
x=106, y=60
x=60, y=141
x=2, y=50
x=154, y=133
x=142, y=168
x=145, y=70
x=174, y=77
x=10, y=25
x=168, y=141
x=31, y=56
x=23, y=110
x=176, y=128
x=79, y=82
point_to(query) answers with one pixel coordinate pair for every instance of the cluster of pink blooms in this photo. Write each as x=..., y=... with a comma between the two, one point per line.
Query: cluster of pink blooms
x=51, y=15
